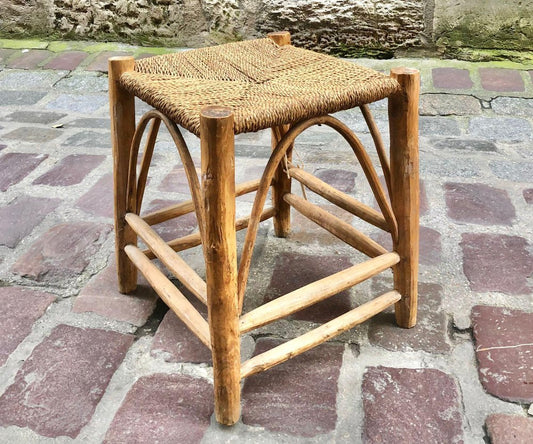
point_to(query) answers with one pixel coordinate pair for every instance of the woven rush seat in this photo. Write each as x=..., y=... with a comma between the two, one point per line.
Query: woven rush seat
x=263, y=83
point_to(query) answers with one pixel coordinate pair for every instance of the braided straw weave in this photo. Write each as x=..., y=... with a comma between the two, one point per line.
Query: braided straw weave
x=264, y=84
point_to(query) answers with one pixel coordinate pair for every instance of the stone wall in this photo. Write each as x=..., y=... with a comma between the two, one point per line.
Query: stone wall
x=347, y=27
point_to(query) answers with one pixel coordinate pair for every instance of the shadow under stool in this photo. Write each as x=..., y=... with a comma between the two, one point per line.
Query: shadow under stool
x=216, y=93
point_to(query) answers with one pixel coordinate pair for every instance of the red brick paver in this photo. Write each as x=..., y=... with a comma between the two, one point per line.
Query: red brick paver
x=67, y=61
x=58, y=387
x=101, y=296
x=504, y=350
x=410, y=405
x=502, y=80
x=509, y=429
x=21, y=216
x=451, y=78
x=297, y=397
x=62, y=252
x=29, y=60
x=21, y=307
x=16, y=166
x=497, y=262
x=163, y=408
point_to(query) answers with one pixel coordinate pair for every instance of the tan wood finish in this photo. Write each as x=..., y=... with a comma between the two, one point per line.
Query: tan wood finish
x=317, y=291
x=145, y=162
x=282, y=182
x=122, y=112
x=321, y=334
x=403, y=122
x=193, y=240
x=170, y=259
x=378, y=142
x=344, y=231
x=220, y=251
x=183, y=208
x=339, y=198
x=170, y=294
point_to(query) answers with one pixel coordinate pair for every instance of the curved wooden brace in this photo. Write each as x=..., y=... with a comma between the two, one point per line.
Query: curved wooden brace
x=185, y=156
x=268, y=174
x=378, y=142
x=145, y=162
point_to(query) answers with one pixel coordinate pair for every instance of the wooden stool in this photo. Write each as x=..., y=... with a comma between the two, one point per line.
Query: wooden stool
x=221, y=91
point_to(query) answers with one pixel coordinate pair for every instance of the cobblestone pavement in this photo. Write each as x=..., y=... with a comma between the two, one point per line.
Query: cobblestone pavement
x=82, y=363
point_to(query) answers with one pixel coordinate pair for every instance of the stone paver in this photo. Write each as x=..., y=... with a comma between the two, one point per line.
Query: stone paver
x=514, y=106
x=293, y=271
x=33, y=134
x=430, y=333
x=291, y=396
x=501, y=80
x=175, y=182
x=163, y=408
x=62, y=252
x=59, y=385
x=16, y=166
x=479, y=204
x=411, y=406
x=497, y=262
x=101, y=296
x=21, y=307
x=34, y=117
x=451, y=78
x=509, y=429
x=505, y=129
x=174, y=228
x=90, y=139
x=465, y=144
x=67, y=60
x=99, y=199
x=175, y=342
x=29, y=60
x=71, y=170
x=77, y=103
x=21, y=98
x=513, y=171
x=448, y=104
x=343, y=180
x=504, y=350
x=99, y=63
x=430, y=245
x=21, y=216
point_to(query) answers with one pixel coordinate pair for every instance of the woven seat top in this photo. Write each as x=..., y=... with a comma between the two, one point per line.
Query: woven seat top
x=263, y=83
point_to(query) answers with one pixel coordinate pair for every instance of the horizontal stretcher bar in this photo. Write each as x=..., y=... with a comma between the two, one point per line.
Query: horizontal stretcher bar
x=193, y=240
x=321, y=334
x=170, y=295
x=339, y=198
x=344, y=231
x=316, y=291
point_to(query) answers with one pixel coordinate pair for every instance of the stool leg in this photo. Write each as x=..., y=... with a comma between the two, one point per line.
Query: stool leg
x=220, y=250
x=403, y=122
x=282, y=183
x=122, y=111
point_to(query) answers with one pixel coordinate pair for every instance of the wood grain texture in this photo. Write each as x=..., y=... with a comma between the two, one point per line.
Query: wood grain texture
x=316, y=291
x=405, y=195
x=177, y=266
x=282, y=182
x=170, y=294
x=122, y=112
x=311, y=339
x=339, y=198
x=343, y=230
x=220, y=251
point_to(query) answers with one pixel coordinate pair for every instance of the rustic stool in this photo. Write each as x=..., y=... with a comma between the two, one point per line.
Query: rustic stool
x=221, y=91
